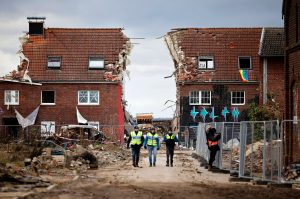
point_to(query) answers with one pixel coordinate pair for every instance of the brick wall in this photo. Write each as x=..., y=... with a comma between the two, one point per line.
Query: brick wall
x=292, y=78
x=64, y=110
x=221, y=97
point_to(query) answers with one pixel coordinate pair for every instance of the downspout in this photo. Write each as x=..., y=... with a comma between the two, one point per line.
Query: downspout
x=265, y=80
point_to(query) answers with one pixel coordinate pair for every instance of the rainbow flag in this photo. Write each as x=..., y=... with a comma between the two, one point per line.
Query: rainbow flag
x=244, y=75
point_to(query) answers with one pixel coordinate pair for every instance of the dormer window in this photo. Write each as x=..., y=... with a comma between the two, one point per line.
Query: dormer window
x=54, y=62
x=245, y=63
x=96, y=63
x=206, y=62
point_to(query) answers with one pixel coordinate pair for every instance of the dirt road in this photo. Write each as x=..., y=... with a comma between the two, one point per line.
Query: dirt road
x=185, y=180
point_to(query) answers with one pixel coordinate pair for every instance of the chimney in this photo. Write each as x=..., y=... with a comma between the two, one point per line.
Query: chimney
x=36, y=25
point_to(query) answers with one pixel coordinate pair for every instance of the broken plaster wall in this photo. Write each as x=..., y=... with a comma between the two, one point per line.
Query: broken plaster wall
x=116, y=71
x=21, y=73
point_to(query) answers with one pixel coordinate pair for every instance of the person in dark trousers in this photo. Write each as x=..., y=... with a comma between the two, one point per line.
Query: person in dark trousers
x=135, y=140
x=212, y=138
x=170, y=139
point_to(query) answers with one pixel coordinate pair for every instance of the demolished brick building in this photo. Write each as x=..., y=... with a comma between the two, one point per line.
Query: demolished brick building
x=68, y=69
x=220, y=71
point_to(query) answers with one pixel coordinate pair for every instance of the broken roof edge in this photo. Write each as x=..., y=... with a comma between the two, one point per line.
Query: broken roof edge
x=21, y=82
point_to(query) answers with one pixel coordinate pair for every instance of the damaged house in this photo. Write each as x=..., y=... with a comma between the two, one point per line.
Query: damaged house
x=220, y=71
x=74, y=75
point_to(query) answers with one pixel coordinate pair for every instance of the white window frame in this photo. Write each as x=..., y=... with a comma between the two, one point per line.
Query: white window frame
x=199, y=98
x=206, y=64
x=89, y=97
x=238, y=104
x=242, y=58
x=202, y=103
x=48, y=103
x=96, y=64
x=9, y=92
x=191, y=97
x=47, y=126
x=95, y=124
x=56, y=64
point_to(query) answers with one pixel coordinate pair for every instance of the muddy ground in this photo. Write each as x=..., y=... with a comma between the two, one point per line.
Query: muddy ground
x=185, y=180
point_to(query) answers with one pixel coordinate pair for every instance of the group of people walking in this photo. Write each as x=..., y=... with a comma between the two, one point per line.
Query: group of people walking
x=151, y=142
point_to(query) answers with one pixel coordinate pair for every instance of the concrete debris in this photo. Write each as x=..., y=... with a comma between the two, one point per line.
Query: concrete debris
x=292, y=172
x=186, y=67
x=115, y=72
x=47, y=169
x=21, y=74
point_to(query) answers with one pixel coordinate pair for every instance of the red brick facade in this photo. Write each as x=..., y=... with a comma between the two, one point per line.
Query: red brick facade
x=291, y=12
x=225, y=46
x=74, y=46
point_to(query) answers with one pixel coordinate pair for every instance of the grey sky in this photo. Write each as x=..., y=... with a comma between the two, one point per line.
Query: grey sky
x=147, y=90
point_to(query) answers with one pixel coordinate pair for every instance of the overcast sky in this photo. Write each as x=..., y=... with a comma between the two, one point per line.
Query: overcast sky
x=147, y=90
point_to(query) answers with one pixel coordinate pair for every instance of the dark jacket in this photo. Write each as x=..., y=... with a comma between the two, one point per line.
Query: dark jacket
x=170, y=142
x=213, y=136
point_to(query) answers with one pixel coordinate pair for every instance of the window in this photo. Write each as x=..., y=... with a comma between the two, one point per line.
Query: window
x=245, y=63
x=48, y=97
x=194, y=98
x=88, y=97
x=238, y=97
x=206, y=62
x=47, y=128
x=54, y=62
x=205, y=97
x=11, y=97
x=200, y=97
x=96, y=63
x=95, y=124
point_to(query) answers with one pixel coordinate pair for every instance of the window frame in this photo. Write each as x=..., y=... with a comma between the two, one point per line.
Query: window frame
x=54, y=67
x=250, y=62
x=206, y=57
x=88, y=97
x=16, y=102
x=96, y=67
x=48, y=103
x=199, y=98
x=201, y=103
x=236, y=104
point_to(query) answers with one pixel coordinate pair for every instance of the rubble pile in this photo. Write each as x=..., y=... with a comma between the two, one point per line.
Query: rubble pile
x=292, y=172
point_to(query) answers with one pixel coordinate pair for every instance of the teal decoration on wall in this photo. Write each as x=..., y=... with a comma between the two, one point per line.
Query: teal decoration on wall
x=212, y=114
x=235, y=114
x=194, y=113
x=225, y=112
x=203, y=113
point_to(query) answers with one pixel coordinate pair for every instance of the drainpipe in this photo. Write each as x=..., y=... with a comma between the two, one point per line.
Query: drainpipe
x=265, y=80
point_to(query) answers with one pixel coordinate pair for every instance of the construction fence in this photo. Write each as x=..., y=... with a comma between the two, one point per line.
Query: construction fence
x=252, y=149
x=14, y=135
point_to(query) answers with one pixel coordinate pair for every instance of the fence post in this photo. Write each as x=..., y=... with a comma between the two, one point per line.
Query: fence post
x=264, y=154
x=242, y=151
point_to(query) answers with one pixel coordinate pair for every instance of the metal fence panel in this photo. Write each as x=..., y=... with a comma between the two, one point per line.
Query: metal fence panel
x=260, y=157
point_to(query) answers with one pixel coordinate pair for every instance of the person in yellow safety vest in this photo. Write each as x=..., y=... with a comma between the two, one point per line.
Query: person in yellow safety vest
x=212, y=142
x=170, y=139
x=152, y=142
x=135, y=140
